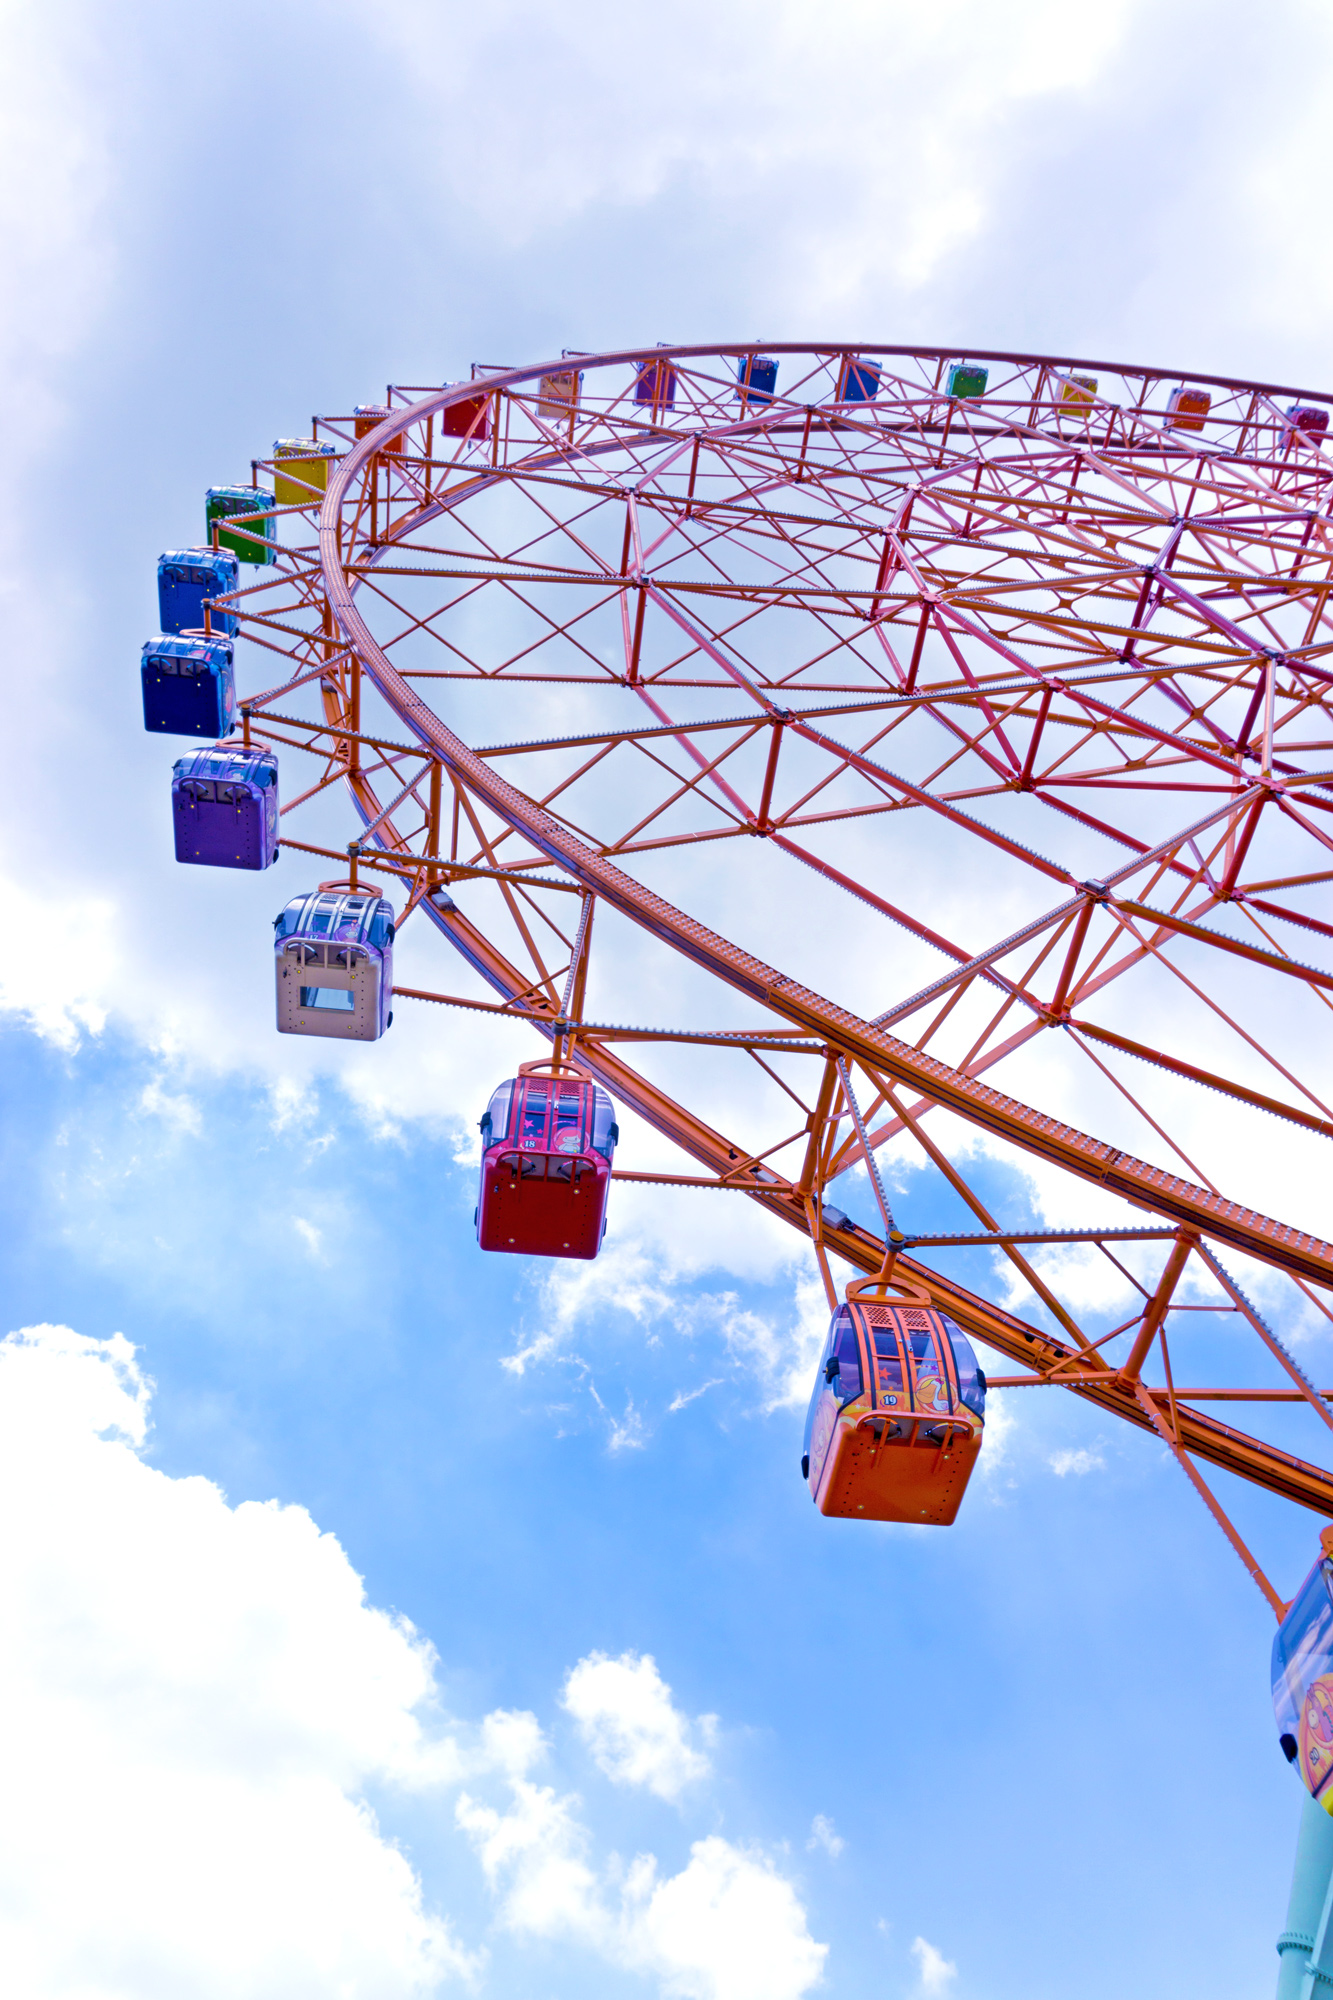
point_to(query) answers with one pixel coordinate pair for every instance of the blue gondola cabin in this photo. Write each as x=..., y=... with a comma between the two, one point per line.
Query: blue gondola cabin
x=224, y=808
x=187, y=579
x=898, y=1410
x=858, y=379
x=1303, y=1679
x=547, y=1140
x=188, y=686
x=756, y=379
x=333, y=965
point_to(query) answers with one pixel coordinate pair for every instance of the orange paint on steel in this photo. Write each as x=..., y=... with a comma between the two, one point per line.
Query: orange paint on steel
x=1296, y=1251
x=931, y=1081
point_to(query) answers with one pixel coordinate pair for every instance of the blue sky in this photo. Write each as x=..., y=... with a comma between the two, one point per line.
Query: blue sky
x=1030, y=1754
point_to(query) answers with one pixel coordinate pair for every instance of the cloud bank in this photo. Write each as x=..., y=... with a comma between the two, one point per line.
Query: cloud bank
x=198, y=1701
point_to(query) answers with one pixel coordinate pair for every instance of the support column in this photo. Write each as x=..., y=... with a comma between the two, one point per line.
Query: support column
x=1307, y=1912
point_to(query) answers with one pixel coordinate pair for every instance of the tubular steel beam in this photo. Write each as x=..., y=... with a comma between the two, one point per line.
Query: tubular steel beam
x=1296, y=1251
x=1158, y=602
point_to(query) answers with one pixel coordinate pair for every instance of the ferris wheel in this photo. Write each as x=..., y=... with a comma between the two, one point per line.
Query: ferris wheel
x=934, y=737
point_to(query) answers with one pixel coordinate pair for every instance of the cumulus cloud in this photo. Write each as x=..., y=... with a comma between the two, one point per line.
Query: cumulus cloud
x=728, y=1926
x=195, y=1698
x=935, y=1972
x=62, y=979
x=198, y=1699
x=1078, y=1462
x=637, y=1736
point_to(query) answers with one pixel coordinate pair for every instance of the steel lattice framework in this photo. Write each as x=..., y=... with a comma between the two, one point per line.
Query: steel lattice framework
x=1026, y=692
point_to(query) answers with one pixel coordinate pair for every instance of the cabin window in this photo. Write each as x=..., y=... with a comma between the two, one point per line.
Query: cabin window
x=568, y=1134
x=888, y=1362
x=333, y=999
x=971, y=1394
x=533, y=1128
x=605, y=1131
x=848, y=1380
x=932, y=1384
x=495, y=1121
x=1304, y=1645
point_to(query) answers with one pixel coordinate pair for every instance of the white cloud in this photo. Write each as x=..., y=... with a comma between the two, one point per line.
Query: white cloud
x=646, y=1276
x=627, y=1431
x=199, y=1697
x=684, y=1397
x=727, y=1927
x=1002, y=1425
x=292, y=1103
x=935, y=1971
x=1078, y=1462
x=512, y=1741
x=824, y=1834
x=62, y=978
x=174, y=1109
x=637, y=1736
x=312, y=1237
x=534, y=1854
x=196, y=1696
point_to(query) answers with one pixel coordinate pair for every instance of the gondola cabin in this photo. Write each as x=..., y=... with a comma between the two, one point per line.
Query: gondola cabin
x=333, y=963
x=367, y=417
x=1303, y=1678
x=249, y=542
x=1186, y=408
x=898, y=1410
x=858, y=379
x=1310, y=419
x=301, y=470
x=655, y=384
x=967, y=380
x=224, y=808
x=547, y=1139
x=469, y=419
x=189, y=578
x=756, y=379
x=188, y=686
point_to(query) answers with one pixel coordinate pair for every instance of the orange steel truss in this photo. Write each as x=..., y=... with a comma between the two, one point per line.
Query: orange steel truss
x=622, y=634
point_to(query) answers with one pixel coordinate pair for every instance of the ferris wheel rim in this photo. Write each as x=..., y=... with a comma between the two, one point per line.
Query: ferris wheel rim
x=1298, y=1252
x=325, y=579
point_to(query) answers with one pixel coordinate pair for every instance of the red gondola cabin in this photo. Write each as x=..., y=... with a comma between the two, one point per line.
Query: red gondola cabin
x=898, y=1410
x=546, y=1144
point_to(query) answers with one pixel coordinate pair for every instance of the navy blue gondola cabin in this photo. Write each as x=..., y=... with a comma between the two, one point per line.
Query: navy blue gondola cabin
x=188, y=687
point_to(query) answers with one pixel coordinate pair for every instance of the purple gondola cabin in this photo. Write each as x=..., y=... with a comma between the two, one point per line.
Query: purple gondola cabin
x=224, y=808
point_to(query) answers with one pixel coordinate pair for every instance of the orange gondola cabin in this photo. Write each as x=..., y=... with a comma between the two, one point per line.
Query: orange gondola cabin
x=898, y=1410
x=547, y=1139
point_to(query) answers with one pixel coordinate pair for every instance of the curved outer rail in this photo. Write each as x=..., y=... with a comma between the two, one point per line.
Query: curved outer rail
x=1294, y=1251
x=1255, y=1460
